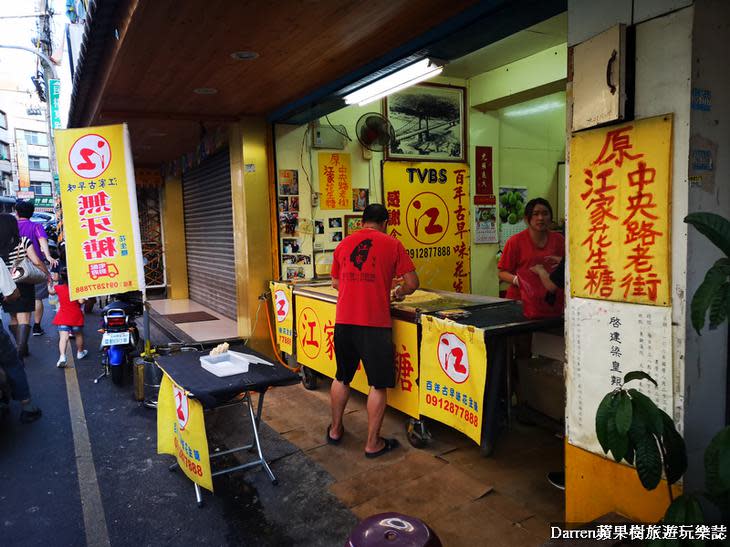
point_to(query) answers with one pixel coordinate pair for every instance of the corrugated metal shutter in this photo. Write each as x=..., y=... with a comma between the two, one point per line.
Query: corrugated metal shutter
x=209, y=234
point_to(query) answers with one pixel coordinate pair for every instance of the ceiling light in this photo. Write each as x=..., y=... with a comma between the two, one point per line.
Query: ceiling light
x=401, y=79
x=244, y=55
x=205, y=90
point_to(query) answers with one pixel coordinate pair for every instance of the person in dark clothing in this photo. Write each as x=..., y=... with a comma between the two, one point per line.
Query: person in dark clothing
x=9, y=359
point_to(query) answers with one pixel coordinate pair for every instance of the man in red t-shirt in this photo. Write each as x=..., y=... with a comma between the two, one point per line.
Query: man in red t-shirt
x=364, y=267
x=530, y=255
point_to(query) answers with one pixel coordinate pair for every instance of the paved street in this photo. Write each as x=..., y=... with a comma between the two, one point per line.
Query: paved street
x=87, y=473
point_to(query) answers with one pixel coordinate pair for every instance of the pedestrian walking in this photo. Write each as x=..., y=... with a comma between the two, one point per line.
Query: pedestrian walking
x=14, y=249
x=365, y=266
x=37, y=235
x=9, y=358
x=69, y=319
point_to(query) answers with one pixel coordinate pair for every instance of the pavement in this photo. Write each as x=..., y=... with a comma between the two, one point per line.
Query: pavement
x=88, y=473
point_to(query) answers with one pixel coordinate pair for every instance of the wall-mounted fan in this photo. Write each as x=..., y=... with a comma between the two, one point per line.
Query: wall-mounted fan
x=374, y=132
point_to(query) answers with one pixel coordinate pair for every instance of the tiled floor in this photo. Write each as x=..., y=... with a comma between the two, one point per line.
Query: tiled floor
x=503, y=500
x=201, y=331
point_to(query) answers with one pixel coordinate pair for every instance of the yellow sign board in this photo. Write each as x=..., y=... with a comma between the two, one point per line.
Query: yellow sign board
x=100, y=220
x=316, y=349
x=428, y=208
x=620, y=212
x=335, y=180
x=281, y=297
x=453, y=375
x=181, y=432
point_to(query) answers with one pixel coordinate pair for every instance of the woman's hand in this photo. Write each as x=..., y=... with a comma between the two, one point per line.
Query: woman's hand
x=540, y=270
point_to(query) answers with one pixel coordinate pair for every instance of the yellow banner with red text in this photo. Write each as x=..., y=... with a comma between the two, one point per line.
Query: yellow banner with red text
x=620, y=212
x=428, y=208
x=316, y=349
x=181, y=432
x=335, y=180
x=100, y=220
x=281, y=297
x=453, y=374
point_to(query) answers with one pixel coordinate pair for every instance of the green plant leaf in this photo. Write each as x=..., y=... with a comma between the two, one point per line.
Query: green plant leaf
x=639, y=375
x=648, y=462
x=630, y=453
x=618, y=443
x=719, y=306
x=685, y=510
x=606, y=411
x=650, y=412
x=714, y=227
x=705, y=293
x=623, y=413
x=676, y=451
x=716, y=481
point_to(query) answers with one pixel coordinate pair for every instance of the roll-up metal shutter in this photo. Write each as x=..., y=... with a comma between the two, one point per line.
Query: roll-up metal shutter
x=209, y=234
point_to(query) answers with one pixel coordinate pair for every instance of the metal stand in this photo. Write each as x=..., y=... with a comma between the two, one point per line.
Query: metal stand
x=255, y=421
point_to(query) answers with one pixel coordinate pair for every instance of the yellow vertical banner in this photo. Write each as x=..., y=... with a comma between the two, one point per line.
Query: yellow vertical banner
x=620, y=212
x=181, y=432
x=453, y=375
x=335, y=181
x=428, y=209
x=281, y=298
x=21, y=153
x=315, y=328
x=99, y=202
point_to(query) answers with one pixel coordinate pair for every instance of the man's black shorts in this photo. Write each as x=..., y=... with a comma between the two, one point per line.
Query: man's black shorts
x=372, y=345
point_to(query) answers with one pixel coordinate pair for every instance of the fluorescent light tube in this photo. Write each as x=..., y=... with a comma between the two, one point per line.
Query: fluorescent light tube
x=405, y=77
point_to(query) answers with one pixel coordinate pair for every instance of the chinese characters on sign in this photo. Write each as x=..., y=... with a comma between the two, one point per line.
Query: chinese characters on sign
x=483, y=179
x=99, y=201
x=453, y=375
x=315, y=328
x=620, y=214
x=608, y=340
x=281, y=296
x=335, y=180
x=428, y=211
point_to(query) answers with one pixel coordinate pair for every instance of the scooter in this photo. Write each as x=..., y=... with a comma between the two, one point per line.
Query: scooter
x=120, y=339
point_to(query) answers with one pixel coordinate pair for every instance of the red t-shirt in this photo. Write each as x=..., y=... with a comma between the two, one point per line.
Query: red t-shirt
x=365, y=264
x=69, y=313
x=520, y=254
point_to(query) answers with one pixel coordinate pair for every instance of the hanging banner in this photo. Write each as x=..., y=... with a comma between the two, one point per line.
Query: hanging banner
x=453, y=375
x=99, y=202
x=21, y=149
x=428, y=208
x=484, y=182
x=316, y=350
x=335, y=181
x=54, y=92
x=281, y=298
x=619, y=210
x=181, y=432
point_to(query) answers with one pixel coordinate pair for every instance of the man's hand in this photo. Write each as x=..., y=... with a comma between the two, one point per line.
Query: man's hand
x=396, y=296
x=53, y=262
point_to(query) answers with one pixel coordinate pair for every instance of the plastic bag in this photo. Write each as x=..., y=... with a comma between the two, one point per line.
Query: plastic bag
x=537, y=302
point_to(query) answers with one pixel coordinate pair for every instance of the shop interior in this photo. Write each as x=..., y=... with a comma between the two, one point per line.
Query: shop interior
x=515, y=103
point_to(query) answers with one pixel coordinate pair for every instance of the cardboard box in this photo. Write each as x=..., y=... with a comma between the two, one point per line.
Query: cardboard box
x=542, y=386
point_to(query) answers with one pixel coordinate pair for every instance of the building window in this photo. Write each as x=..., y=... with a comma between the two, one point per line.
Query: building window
x=32, y=137
x=40, y=188
x=4, y=151
x=3, y=120
x=38, y=163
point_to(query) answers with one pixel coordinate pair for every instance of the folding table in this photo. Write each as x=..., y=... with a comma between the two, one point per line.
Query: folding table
x=217, y=392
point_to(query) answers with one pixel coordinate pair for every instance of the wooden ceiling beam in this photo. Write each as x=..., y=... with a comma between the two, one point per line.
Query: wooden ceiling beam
x=168, y=116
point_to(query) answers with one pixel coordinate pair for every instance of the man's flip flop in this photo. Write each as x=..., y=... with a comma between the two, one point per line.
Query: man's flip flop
x=390, y=445
x=330, y=440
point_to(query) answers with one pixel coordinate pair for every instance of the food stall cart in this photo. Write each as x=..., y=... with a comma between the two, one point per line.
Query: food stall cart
x=305, y=316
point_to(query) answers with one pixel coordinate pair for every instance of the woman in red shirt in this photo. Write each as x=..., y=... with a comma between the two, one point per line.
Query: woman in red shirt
x=527, y=254
x=69, y=318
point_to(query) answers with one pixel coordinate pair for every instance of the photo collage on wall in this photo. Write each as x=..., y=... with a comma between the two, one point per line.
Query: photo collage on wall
x=293, y=257
x=329, y=231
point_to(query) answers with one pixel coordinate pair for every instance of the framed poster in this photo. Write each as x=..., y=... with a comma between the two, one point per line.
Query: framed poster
x=429, y=123
x=352, y=224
